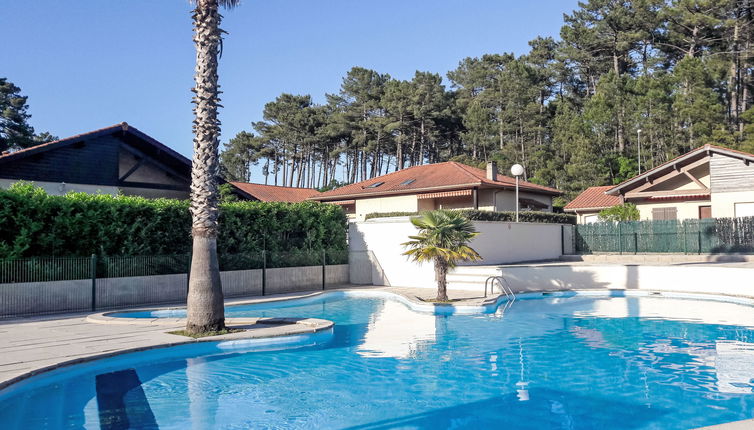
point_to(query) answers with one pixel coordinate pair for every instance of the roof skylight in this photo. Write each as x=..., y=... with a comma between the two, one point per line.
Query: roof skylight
x=408, y=181
x=374, y=185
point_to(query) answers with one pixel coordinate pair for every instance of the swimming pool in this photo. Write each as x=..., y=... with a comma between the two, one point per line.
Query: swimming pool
x=557, y=362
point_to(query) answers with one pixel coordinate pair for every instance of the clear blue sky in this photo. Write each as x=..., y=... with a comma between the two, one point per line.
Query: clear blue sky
x=87, y=64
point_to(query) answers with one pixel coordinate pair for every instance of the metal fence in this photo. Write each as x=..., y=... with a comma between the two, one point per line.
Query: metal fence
x=36, y=286
x=691, y=236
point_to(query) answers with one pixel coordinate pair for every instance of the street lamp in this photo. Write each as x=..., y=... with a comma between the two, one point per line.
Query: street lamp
x=638, y=146
x=517, y=170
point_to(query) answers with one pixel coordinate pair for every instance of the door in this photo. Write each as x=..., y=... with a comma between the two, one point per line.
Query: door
x=705, y=212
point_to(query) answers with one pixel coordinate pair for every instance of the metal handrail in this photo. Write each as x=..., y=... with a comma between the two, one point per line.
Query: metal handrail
x=506, y=289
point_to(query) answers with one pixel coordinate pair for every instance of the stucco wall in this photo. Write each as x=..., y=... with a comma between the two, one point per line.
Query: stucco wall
x=498, y=242
x=386, y=204
x=505, y=200
x=693, y=279
x=685, y=210
x=723, y=204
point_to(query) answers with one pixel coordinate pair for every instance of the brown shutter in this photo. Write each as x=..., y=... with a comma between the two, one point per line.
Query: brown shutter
x=660, y=214
x=671, y=213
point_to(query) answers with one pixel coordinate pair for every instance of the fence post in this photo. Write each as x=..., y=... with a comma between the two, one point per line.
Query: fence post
x=620, y=237
x=685, y=232
x=562, y=239
x=636, y=243
x=264, y=270
x=324, y=264
x=94, y=281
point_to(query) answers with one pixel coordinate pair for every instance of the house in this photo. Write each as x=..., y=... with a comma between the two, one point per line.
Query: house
x=118, y=159
x=274, y=193
x=111, y=160
x=589, y=203
x=448, y=185
x=708, y=182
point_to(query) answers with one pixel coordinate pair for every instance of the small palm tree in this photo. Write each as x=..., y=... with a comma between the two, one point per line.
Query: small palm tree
x=443, y=239
x=205, y=310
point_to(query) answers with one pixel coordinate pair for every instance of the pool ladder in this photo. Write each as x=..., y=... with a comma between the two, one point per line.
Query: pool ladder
x=504, y=287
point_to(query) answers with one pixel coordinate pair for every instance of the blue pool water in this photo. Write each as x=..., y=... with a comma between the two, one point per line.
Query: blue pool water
x=553, y=363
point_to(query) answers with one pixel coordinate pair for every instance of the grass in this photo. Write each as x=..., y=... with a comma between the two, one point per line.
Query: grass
x=206, y=333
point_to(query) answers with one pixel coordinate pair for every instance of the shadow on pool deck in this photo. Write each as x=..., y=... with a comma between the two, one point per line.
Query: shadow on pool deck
x=545, y=408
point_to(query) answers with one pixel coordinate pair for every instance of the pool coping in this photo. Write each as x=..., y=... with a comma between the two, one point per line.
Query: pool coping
x=292, y=327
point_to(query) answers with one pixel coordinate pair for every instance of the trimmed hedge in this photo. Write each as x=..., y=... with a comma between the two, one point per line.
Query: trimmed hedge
x=35, y=224
x=477, y=215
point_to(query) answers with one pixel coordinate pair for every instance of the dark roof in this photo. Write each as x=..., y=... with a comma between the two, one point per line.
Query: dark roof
x=274, y=193
x=593, y=198
x=692, y=155
x=131, y=134
x=429, y=177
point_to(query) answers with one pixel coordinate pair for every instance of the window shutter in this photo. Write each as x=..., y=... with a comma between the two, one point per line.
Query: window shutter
x=658, y=214
x=671, y=213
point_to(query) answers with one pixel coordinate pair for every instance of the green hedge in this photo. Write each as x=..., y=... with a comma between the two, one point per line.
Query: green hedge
x=477, y=215
x=35, y=224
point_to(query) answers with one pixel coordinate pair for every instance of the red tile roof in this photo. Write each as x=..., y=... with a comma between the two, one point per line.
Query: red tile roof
x=274, y=193
x=593, y=198
x=430, y=177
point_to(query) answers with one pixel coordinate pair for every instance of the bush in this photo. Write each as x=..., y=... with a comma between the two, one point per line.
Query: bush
x=477, y=215
x=624, y=212
x=35, y=224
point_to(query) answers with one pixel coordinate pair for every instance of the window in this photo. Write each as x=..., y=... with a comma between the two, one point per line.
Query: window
x=705, y=212
x=664, y=213
x=408, y=181
x=743, y=209
x=374, y=185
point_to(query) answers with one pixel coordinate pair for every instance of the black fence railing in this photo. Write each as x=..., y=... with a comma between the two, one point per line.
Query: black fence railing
x=35, y=286
x=691, y=236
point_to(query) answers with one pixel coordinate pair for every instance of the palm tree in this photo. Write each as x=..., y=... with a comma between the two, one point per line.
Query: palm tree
x=205, y=297
x=443, y=239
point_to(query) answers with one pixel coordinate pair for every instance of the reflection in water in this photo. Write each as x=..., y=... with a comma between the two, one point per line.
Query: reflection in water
x=398, y=332
x=734, y=366
x=564, y=363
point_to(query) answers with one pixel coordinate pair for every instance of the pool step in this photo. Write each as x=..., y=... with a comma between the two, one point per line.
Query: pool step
x=471, y=278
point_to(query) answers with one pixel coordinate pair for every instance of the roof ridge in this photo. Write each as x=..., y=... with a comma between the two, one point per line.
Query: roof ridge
x=124, y=125
x=463, y=168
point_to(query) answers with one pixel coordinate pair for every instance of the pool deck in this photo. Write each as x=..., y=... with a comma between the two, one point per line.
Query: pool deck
x=36, y=344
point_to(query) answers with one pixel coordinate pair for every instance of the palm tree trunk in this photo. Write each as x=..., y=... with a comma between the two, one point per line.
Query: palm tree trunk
x=205, y=295
x=441, y=273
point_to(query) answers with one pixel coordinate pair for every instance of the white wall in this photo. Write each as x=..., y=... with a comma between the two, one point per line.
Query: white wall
x=386, y=204
x=723, y=204
x=497, y=243
x=685, y=210
x=692, y=279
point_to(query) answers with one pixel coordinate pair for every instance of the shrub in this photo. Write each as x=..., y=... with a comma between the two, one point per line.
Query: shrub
x=477, y=215
x=624, y=212
x=35, y=224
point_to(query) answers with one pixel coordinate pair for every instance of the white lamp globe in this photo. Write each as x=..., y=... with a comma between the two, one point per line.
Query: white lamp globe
x=517, y=170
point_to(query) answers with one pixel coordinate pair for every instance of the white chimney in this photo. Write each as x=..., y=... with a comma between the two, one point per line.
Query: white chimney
x=492, y=171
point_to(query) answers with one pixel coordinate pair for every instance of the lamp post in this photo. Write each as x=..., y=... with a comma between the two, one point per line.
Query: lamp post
x=638, y=146
x=517, y=170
